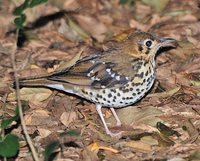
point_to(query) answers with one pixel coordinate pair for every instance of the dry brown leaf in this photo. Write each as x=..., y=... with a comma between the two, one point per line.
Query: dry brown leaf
x=67, y=117
x=192, y=131
x=92, y=26
x=134, y=115
x=43, y=132
x=139, y=145
x=165, y=94
x=31, y=94
x=71, y=62
x=96, y=147
x=39, y=118
x=68, y=32
x=89, y=155
x=149, y=140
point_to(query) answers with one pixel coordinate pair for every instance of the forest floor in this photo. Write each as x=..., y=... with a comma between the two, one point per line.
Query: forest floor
x=162, y=126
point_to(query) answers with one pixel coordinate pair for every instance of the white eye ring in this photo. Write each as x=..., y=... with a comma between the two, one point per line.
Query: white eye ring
x=148, y=43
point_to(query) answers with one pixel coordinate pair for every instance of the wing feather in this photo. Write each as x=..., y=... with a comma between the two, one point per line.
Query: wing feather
x=90, y=71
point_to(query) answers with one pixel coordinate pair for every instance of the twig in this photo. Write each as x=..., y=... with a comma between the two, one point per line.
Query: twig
x=28, y=139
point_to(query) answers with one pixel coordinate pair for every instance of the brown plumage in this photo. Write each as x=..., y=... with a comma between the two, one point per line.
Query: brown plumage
x=117, y=77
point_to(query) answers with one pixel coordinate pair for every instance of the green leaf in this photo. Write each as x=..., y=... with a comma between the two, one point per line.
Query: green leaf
x=129, y=2
x=70, y=133
x=19, y=10
x=5, y=123
x=9, y=146
x=36, y=2
x=195, y=155
x=50, y=148
x=158, y=5
x=123, y=1
x=19, y=21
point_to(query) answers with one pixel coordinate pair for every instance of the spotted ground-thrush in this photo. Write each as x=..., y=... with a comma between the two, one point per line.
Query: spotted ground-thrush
x=117, y=77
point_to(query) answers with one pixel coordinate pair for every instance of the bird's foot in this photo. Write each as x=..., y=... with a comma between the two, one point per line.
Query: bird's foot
x=115, y=135
x=118, y=124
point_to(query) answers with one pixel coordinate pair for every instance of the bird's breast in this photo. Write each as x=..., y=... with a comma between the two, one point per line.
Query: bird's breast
x=123, y=96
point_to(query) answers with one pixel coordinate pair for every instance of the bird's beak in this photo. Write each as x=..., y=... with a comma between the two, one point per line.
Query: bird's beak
x=168, y=42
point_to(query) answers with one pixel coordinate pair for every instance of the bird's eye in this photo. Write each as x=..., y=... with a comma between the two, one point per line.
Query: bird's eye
x=148, y=43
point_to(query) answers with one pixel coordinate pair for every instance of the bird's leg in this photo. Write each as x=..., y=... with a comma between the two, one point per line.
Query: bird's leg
x=98, y=108
x=116, y=117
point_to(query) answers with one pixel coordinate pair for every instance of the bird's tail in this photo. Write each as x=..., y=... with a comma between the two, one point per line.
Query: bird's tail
x=34, y=81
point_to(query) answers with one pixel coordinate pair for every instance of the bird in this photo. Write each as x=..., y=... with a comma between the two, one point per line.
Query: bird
x=116, y=77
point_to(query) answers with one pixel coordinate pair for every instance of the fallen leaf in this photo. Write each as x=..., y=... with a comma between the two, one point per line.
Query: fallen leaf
x=93, y=26
x=43, y=132
x=96, y=147
x=139, y=145
x=157, y=4
x=192, y=131
x=78, y=29
x=89, y=155
x=165, y=94
x=133, y=115
x=70, y=63
x=31, y=94
x=149, y=140
x=67, y=117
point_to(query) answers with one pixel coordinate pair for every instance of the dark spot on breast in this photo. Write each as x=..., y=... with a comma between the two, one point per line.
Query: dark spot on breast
x=91, y=93
x=147, y=72
x=144, y=80
x=140, y=75
x=137, y=89
x=134, y=94
x=125, y=90
x=104, y=99
x=99, y=96
x=135, y=84
x=140, y=63
x=120, y=102
x=109, y=95
x=145, y=63
x=113, y=90
x=118, y=94
x=149, y=83
x=149, y=69
x=131, y=89
x=139, y=93
x=113, y=100
x=108, y=101
x=123, y=98
x=84, y=91
x=104, y=91
x=148, y=79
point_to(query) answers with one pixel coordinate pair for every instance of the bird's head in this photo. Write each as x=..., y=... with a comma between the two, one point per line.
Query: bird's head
x=146, y=45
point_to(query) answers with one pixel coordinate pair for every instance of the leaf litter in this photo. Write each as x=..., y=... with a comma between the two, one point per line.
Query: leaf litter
x=172, y=107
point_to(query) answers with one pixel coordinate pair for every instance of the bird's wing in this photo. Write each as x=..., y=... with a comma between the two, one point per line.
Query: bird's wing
x=97, y=71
